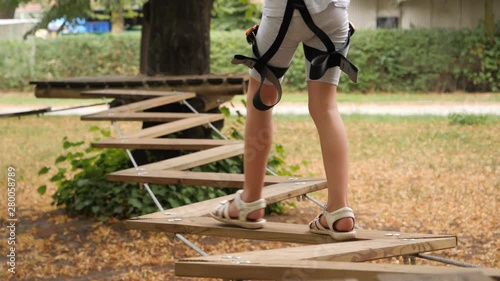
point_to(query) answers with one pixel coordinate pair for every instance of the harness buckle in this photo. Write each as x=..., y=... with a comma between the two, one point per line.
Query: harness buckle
x=251, y=34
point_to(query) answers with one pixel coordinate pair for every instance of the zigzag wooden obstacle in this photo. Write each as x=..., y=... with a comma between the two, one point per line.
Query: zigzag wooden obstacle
x=322, y=259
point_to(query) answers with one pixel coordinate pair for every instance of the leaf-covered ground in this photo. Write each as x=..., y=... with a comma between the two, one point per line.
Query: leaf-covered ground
x=411, y=174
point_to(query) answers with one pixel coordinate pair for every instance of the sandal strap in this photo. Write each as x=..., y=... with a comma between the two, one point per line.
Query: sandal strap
x=315, y=224
x=223, y=209
x=334, y=216
x=246, y=208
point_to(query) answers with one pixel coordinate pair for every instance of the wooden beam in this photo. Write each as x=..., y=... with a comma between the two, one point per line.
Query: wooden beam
x=311, y=270
x=125, y=93
x=74, y=92
x=352, y=251
x=149, y=103
x=272, y=231
x=459, y=276
x=176, y=126
x=272, y=193
x=140, y=116
x=162, y=144
x=212, y=85
x=191, y=160
x=192, y=178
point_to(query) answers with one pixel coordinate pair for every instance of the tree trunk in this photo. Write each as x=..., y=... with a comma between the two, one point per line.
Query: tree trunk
x=8, y=10
x=176, y=37
x=117, y=20
x=489, y=17
x=176, y=41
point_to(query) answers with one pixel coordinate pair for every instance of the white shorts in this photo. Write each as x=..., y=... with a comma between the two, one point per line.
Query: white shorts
x=334, y=21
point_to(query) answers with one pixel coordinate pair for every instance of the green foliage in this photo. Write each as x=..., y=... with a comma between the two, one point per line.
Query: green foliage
x=416, y=60
x=67, y=56
x=83, y=189
x=231, y=15
x=71, y=9
x=467, y=120
x=223, y=46
x=68, y=9
x=437, y=60
x=482, y=60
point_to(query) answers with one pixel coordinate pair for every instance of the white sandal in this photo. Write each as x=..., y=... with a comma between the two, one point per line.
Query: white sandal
x=346, y=212
x=221, y=213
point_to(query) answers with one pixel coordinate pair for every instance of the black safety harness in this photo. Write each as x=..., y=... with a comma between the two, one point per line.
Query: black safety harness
x=320, y=61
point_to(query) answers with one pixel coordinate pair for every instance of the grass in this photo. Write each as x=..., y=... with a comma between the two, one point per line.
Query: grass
x=408, y=174
x=27, y=98
x=400, y=97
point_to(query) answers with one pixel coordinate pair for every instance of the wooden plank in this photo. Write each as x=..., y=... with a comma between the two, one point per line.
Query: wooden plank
x=162, y=144
x=191, y=160
x=150, y=103
x=192, y=178
x=140, y=116
x=142, y=78
x=462, y=276
x=272, y=231
x=311, y=270
x=352, y=251
x=176, y=126
x=125, y=93
x=272, y=193
x=74, y=90
x=72, y=87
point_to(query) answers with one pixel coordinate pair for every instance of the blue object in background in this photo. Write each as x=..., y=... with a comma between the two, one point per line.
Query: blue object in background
x=98, y=26
x=80, y=25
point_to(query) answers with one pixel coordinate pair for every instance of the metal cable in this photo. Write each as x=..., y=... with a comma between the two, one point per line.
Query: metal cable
x=447, y=261
x=180, y=237
x=423, y=256
x=314, y=200
x=219, y=132
x=209, y=124
x=193, y=246
x=138, y=169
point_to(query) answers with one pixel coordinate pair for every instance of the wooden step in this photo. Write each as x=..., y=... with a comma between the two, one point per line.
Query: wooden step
x=176, y=126
x=458, y=276
x=312, y=270
x=192, y=178
x=191, y=160
x=272, y=231
x=150, y=103
x=125, y=93
x=162, y=144
x=272, y=193
x=350, y=251
x=140, y=116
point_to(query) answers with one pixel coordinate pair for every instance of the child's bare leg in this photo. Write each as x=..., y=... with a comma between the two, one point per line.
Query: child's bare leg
x=334, y=147
x=258, y=141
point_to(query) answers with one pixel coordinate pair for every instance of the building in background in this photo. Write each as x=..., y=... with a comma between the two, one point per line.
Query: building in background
x=372, y=14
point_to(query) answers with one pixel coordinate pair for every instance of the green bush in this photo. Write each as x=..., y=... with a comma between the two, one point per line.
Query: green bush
x=83, y=188
x=415, y=60
x=467, y=119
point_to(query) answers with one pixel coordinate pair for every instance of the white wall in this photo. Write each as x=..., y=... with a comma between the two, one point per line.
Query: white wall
x=363, y=13
x=15, y=29
x=421, y=13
